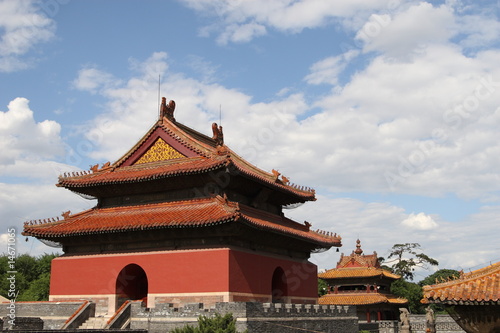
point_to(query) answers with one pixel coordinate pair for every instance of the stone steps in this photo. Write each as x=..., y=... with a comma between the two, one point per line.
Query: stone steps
x=94, y=323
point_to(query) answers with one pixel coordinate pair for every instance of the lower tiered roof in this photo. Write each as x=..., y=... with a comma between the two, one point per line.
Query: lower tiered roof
x=361, y=298
x=179, y=214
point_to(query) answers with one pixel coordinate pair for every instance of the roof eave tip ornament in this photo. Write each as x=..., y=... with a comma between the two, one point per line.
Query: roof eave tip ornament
x=167, y=110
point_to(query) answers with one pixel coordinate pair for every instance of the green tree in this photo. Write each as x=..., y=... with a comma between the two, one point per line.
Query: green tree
x=322, y=287
x=38, y=289
x=405, y=258
x=440, y=276
x=32, y=279
x=215, y=324
x=412, y=292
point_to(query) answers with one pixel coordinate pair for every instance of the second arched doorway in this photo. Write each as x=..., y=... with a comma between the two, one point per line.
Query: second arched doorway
x=279, y=286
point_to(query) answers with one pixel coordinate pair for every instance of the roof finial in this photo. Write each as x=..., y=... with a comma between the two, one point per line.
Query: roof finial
x=167, y=110
x=358, y=247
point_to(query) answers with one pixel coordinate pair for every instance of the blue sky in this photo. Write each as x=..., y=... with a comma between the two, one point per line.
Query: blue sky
x=389, y=109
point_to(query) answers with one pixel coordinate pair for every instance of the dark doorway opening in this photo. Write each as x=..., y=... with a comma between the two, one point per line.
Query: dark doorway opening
x=279, y=287
x=131, y=284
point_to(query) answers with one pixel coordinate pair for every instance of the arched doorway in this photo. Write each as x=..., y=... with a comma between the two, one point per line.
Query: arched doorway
x=279, y=287
x=131, y=284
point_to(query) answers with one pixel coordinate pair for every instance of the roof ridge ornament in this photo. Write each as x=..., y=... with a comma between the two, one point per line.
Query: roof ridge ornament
x=167, y=111
x=218, y=136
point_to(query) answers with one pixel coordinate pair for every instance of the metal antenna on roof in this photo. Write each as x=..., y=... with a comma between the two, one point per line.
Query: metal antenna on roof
x=159, y=95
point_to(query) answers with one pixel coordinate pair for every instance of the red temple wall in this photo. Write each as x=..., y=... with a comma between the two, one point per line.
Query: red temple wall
x=173, y=271
x=252, y=273
x=191, y=276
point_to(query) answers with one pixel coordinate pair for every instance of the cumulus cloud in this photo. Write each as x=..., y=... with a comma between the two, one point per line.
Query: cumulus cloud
x=30, y=151
x=419, y=221
x=22, y=138
x=23, y=24
x=404, y=32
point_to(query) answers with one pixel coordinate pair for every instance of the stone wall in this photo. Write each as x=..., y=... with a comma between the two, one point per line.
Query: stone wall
x=53, y=314
x=444, y=324
x=256, y=317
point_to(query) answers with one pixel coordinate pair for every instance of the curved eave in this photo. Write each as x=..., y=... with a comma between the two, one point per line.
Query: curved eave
x=360, y=299
x=357, y=272
x=186, y=214
x=142, y=173
x=476, y=287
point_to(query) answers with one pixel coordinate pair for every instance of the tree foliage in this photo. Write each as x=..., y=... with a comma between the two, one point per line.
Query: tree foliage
x=32, y=279
x=406, y=257
x=322, y=287
x=439, y=276
x=412, y=292
x=215, y=324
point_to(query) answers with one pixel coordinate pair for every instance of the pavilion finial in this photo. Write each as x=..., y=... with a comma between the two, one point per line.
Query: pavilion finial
x=167, y=110
x=358, y=250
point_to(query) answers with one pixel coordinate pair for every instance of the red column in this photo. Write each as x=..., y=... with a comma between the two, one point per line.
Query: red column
x=368, y=316
x=379, y=315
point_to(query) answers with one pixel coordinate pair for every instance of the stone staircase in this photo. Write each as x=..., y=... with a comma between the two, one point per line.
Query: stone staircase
x=94, y=323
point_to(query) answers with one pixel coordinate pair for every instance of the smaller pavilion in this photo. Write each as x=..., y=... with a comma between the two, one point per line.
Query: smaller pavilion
x=472, y=300
x=359, y=280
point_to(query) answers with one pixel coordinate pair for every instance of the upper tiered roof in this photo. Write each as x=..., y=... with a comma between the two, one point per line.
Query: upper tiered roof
x=160, y=170
x=481, y=286
x=170, y=149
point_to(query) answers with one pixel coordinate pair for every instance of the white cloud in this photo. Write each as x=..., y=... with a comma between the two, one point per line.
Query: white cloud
x=23, y=26
x=409, y=31
x=29, y=150
x=241, y=33
x=22, y=138
x=92, y=80
x=328, y=69
x=241, y=21
x=23, y=202
x=419, y=221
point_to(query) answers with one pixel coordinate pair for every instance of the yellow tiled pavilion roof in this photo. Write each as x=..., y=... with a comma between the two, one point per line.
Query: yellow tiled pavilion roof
x=357, y=272
x=481, y=286
x=360, y=299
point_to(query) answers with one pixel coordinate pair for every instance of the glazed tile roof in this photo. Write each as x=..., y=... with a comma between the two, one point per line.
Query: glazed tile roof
x=357, y=272
x=360, y=299
x=184, y=214
x=202, y=155
x=481, y=286
x=144, y=172
x=358, y=259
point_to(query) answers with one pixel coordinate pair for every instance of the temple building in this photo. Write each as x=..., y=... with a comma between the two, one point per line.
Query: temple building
x=472, y=300
x=181, y=218
x=359, y=280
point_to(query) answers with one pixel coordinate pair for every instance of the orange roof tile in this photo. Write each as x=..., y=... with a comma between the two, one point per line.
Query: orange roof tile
x=360, y=299
x=202, y=155
x=191, y=213
x=479, y=286
x=144, y=172
x=357, y=272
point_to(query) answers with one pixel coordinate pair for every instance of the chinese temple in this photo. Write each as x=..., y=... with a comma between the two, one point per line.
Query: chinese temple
x=180, y=218
x=359, y=280
x=472, y=299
